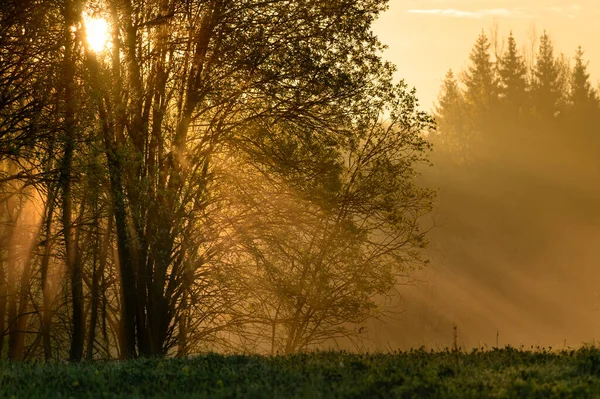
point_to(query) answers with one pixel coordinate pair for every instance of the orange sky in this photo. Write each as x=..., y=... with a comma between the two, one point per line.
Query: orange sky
x=427, y=37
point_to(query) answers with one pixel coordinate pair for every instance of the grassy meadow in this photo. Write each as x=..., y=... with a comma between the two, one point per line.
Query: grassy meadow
x=505, y=373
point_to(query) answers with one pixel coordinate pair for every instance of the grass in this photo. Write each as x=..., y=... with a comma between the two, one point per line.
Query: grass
x=506, y=373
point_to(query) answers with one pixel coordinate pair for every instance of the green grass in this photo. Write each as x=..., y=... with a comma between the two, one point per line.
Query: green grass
x=506, y=373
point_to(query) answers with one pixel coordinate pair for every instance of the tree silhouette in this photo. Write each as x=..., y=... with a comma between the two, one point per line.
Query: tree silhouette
x=546, y=85
x=481, y=96
x=452, y=120
x=582, y=95
x=512, y=73
x=124, y=152
x=316, y=263
x=479, y=79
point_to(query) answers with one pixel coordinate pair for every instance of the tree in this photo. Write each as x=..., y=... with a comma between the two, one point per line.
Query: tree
x=125, y=148
x=480, y=81
x=313, y=267
x=582, y=95
x=513, y=84
x=583, y=110
x=27, y=149
x=481, y=95
x=301, y=73
x=546, y=85
x=452, y=121
x=71, y=13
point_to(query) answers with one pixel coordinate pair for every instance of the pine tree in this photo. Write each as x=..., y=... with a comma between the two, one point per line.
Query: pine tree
x=448, y=112
x=513, y=77
x=481, y=97
x=479, y=79
x=582, y=95
x=583, y=112
x=451, y=118
x=546, y=81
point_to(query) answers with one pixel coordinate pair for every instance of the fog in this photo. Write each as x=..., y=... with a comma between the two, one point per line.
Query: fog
x=257, y=179
x=513, y=256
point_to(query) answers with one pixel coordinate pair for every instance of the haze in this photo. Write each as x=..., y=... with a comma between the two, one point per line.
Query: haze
x=513, y=254
x=427, y=37
x=250, y=179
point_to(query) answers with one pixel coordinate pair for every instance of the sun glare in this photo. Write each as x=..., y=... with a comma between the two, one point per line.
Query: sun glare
x=97, y=33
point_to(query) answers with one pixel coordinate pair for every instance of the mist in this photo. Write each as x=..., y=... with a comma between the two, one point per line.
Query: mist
x=258, y=180
x=513, y=247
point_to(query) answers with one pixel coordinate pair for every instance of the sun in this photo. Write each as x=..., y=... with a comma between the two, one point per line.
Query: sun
x=97, y=33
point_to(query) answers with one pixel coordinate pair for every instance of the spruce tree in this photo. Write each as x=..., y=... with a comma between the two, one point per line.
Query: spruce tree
x=479, y=79
x=582, y=95
x=513, y=77
x=546, y=81
x=451, y=118
x=450, y=102
x=583, y=112
x=481, y=95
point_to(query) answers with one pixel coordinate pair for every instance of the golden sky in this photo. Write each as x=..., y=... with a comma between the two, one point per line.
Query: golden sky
x=427, y=37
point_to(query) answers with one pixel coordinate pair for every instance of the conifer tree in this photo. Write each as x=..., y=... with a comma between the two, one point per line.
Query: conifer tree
x=582, y=94
x=546, y=81
x=513, y=77
x=479, y=79
x=583, y=111
x=451, y=115
x=449, y=103
x=481, y=97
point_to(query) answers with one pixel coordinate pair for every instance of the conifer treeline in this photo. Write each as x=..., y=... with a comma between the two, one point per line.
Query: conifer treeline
x=516, y=165
x=508, y=104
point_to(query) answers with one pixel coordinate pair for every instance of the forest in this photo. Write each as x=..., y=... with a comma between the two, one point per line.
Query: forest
x=248, y=176
x=240, y=198
x=229, y=176
x=509, y=105
x=516, y=167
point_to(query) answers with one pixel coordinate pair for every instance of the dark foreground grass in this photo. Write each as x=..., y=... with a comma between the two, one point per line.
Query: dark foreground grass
x=506, y=373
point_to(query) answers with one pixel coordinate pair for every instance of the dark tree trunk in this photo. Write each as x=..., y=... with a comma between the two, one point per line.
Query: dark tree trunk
x=47, y=310
x=71, y=14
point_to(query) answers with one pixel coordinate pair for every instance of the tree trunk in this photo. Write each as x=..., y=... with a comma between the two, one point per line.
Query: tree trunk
x=25, y=238
x=47, y=292
x=5, y=230
x=71, y=15
x=13, y=216
x=99, y=264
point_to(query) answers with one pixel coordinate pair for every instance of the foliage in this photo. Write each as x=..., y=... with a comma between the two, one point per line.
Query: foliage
x=582, y=95
x=128, y=154
x=318, y=254
x=537, y=108
x=546, y=86
x=479, y=79
x=507, y=193
x=452, y=120
x=479, y=374
x=512, y=73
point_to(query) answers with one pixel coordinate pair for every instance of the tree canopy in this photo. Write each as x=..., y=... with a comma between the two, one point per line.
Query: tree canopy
x=208, y=144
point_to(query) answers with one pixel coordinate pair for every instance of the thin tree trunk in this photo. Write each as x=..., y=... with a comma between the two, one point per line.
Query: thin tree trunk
x=16, y=343
x=100, y=251
x=7, y=265
x=112, y=118
x=72, y=16
x=4, y=240
x=47, y=294
x=102, y=272
x=115, y=146
x=3, y=294
x=20, y=301
x=11, y=279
